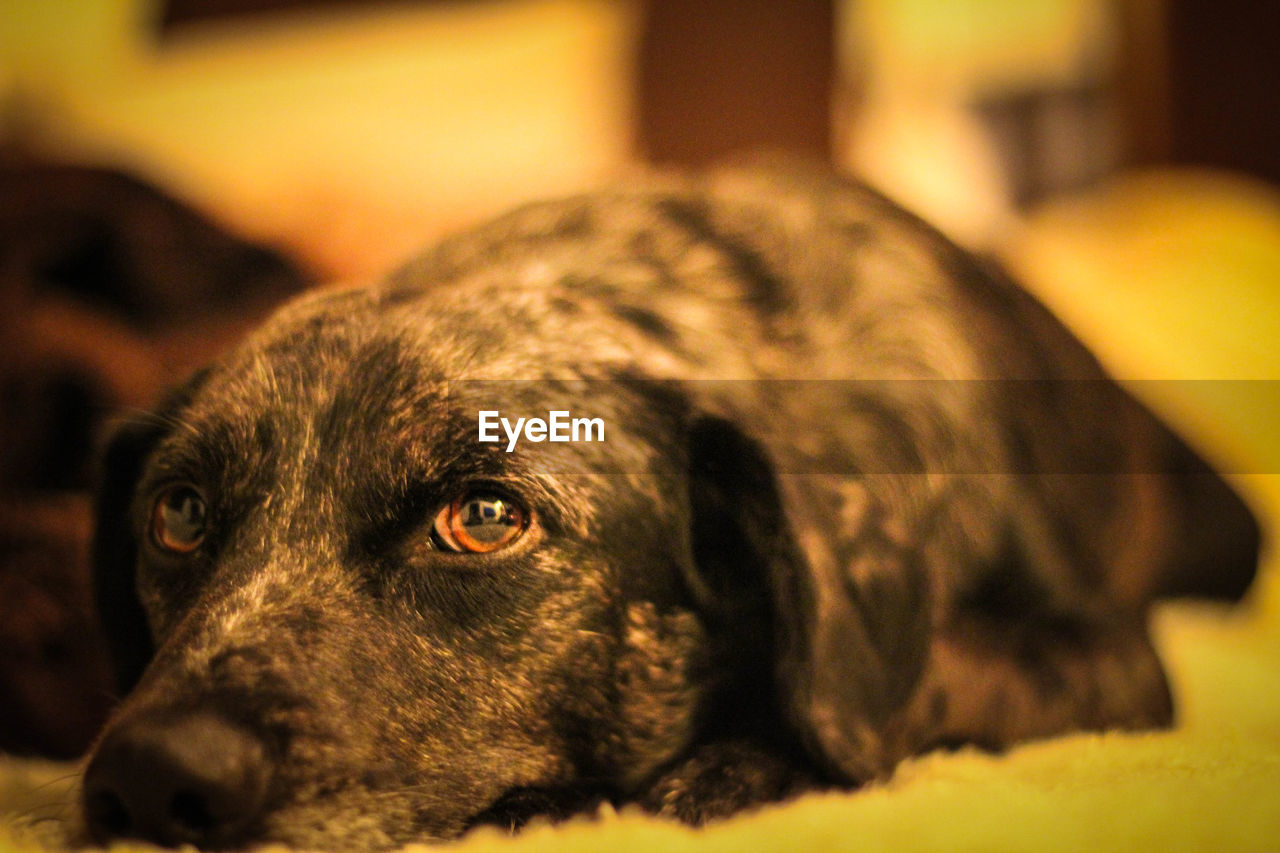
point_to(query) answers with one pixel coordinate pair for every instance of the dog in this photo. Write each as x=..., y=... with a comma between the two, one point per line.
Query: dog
x=842, y=494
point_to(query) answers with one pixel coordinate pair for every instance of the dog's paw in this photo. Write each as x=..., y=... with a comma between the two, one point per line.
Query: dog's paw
x=520, y=806
x=722, y=778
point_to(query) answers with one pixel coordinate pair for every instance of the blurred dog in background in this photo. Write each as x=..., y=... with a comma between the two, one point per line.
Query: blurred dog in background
x=109, y=290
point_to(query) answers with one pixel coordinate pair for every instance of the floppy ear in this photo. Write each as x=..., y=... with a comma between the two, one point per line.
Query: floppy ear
x=115, y=548
x=843, y=607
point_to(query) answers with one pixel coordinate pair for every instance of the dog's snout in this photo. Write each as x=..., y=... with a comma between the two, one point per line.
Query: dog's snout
x=182, y=779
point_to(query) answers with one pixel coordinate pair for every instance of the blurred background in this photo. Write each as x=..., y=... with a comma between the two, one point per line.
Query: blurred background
x=168, y=170
x=348, y=130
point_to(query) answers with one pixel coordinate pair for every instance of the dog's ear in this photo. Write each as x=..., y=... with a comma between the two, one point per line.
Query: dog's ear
x=115, y=547
x=842, y=620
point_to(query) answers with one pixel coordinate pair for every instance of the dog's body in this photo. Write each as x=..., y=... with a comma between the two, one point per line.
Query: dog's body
x=857, y=497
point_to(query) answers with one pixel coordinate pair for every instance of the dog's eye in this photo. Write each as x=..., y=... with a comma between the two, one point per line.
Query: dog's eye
x=478, y=523
x=178, y=520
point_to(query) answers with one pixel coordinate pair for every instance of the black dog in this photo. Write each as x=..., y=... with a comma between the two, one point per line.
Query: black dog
x=839, y=495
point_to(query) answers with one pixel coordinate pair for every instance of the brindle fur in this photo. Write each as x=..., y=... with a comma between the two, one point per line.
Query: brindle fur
x=752, y=588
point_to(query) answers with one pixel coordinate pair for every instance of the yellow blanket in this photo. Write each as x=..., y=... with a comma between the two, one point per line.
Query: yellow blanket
x=1172, y=277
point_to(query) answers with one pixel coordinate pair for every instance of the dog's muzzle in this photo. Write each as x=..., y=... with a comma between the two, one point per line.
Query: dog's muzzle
x=177, y=778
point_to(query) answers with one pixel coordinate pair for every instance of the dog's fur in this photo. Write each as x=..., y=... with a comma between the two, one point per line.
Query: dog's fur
x=859, y=497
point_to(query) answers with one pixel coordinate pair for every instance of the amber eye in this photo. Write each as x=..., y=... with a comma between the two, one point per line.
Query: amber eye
x=479, y=522
x=178, y=520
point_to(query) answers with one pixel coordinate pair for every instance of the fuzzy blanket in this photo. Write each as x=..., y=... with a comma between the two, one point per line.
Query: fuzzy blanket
x=1173, y=277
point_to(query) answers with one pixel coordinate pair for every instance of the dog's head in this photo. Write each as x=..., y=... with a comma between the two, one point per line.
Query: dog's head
x=343, y=620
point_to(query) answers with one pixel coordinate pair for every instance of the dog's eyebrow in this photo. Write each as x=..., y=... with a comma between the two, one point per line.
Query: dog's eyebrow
x=221, y=446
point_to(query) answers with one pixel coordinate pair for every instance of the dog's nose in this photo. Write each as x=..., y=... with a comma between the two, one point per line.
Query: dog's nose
x=177, y=779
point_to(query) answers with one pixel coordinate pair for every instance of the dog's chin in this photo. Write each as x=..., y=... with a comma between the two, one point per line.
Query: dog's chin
x=389, y=821
x=370, y=821
x=356, y=822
